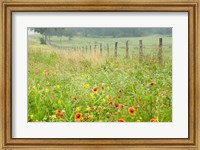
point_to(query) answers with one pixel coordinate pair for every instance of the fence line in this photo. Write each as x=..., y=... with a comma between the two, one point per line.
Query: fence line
x=127, y=53
x=141, y=46
x=140, y=50
x=160, y=51
x=115, y=49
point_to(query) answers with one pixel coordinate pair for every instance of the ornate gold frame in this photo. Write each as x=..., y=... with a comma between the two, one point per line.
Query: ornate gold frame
x=9, y=6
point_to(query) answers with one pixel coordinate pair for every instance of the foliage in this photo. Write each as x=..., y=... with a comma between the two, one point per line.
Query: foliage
x=42, y=41
x=112, y=32
x=86, y=87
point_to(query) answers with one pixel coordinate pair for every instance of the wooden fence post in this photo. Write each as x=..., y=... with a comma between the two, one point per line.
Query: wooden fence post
x=108, y=49
x=95, y=48
x=127, y=53
x=86, y=48
x=160, y=58
x=83, y=49
x=115, y=55
x=101, y=49
x=140, y=50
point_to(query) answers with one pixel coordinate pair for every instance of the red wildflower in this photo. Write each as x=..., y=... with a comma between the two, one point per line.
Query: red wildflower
x=59, y=114
x=95, y=89
x=87, y=117
x=102, y=87
x=121, y=105
x=78, y=117
x=131, y=110
x=153, y=120
x=116, y=105
x=121, y=120
x=74, y=98
x=109, y=103
x=110, y=98
x=152, y=83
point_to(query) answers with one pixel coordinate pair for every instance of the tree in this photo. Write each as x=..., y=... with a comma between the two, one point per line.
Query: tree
x=42, y=31
x=69, y=32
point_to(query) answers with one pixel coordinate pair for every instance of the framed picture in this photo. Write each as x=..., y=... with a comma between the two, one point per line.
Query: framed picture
x=105, y=75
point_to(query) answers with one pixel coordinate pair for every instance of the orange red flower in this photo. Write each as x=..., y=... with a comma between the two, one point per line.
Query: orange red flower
x=116, y=105
x=137, y=106
x=153, y=120
x=152, y=83
x=86, y=117
x=59, y=114
x=74, y=98
x=110, y=98
x=109, y=103
x=121, y=120
x=78, y=117
x=95, y=89
x=131, y=110
x=121, y=105
x=92, y=108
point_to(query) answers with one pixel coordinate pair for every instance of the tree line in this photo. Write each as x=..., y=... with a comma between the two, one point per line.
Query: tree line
x=100, y=32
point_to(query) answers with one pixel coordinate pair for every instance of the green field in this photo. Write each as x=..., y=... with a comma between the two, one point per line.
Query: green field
x=69, y=86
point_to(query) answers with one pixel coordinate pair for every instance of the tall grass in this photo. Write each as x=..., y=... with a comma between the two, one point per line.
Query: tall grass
x=73, y=86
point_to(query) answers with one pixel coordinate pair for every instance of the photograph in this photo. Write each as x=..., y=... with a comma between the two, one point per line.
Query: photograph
x=99, y=74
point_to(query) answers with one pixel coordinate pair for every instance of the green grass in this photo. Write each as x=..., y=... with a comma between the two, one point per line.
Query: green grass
x=57, y=77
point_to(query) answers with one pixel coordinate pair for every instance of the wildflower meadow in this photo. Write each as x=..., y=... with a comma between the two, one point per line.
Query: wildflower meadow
x=72, y=80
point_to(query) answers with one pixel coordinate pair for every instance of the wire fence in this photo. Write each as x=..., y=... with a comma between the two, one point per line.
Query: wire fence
x=113, y=49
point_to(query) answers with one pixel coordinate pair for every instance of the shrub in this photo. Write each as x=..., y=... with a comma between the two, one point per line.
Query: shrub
x=42, y=41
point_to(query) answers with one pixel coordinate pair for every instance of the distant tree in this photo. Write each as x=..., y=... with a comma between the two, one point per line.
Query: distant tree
x=44, y=31
x=69, y=32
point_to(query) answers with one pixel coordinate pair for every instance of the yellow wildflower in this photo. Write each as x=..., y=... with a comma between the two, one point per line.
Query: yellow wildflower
x=108, y=88
x=86, y=86
x=58, y=86
x=92, y=95
x=138, y=121
x=157, y=119
x=31, y=116
x=59, y=101
x=107, y=96
x=53, y=116
x=88, y=108
x=38, y=85
x=46, y=90
x=78, y=109
x=104, y=100
x=38, y=92
x=34, y=87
